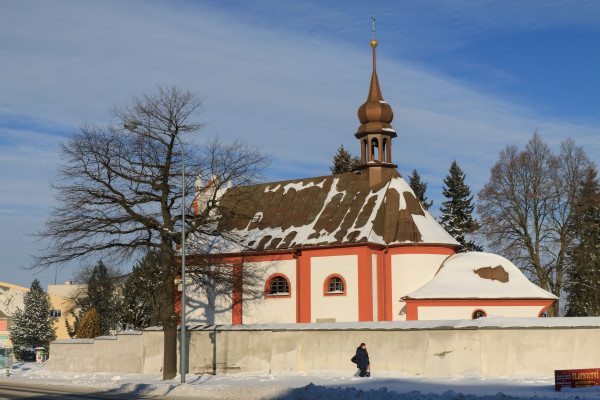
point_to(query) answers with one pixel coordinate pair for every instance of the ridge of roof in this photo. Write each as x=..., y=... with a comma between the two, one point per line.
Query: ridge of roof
x=327, y=210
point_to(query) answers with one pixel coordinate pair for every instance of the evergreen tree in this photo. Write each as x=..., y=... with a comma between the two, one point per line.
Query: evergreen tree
x=88, y=327
x=32, y=326
x=414, y=181
x=583, y=278
x=457, y=218
x=140, y=307
x=343, y=162
x=101, y=295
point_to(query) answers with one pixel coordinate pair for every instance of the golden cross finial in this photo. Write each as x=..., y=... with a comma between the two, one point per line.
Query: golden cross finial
x=373, y=18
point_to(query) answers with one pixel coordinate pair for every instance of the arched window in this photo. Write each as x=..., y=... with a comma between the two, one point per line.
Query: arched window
x=478, y=314
x=334, y=285
x=277, y=286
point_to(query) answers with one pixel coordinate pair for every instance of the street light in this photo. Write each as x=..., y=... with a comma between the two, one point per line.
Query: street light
x=131, y=125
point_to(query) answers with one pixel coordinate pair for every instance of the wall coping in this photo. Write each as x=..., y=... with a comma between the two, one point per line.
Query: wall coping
x=464, y=324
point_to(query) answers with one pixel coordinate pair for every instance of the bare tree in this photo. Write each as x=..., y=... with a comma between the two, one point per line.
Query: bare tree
x=119, y=192
x=526, y=208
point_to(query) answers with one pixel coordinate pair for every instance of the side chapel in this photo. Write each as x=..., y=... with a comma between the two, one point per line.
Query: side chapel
x=352, y=247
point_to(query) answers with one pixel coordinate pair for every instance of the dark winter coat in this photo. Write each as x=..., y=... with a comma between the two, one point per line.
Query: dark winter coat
x=362, y=358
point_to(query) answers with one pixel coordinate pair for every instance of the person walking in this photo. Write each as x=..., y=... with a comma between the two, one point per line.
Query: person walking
x=362, y=360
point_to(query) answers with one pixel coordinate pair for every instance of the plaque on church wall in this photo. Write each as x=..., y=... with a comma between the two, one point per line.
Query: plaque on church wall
x=576, y=378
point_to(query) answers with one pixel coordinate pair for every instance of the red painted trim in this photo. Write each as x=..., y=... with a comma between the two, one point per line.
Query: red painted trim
x=257, y=258
x=237, y=293
x=380, y=286
x=297, y=257
x=303, y=292
x=268, y=287
x=412, y=305
x=544, y=310
x=230, y=259
x=422, y=250
x=208, y=185
x=334, y=251
x=365, y=285
x=476, y=302
x=412, y=311
x=326, y=285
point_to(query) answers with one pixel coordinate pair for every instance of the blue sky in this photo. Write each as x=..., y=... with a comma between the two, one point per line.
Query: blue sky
x=464, y=79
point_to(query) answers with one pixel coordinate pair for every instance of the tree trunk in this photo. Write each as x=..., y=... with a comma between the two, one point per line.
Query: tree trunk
x=553, y=310
x=168, y=316
x=170, y=350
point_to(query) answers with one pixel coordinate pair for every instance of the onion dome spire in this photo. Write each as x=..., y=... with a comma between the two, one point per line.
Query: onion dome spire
x=375, y=116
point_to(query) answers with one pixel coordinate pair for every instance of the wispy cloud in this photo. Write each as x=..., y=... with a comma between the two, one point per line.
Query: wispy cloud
x=287, y=77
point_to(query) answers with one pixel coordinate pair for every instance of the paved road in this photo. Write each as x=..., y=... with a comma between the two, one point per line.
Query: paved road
x=10, y=391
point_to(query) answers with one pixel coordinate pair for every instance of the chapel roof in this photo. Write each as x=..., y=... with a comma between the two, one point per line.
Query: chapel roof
x=479, y=275
x=325, y=211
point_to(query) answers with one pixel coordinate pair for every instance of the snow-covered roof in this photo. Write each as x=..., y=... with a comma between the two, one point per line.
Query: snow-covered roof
x=321, y=211
x=476, y=275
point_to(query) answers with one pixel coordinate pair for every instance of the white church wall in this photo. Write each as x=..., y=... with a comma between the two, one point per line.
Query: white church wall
x=259, y=309
x=341, y=307
x=410, y=272
x=207, y=306
x=466, y=312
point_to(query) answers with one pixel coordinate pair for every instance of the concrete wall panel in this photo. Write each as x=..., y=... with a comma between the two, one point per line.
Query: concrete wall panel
x=438, y=351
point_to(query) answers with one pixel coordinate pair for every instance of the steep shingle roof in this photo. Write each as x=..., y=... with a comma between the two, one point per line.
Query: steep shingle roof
x=324, y=211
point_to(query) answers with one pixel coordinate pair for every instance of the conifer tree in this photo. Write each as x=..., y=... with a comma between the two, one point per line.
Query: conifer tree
x=100, y=294
x=414, y=181
x=343, y=162
x=33, y=326
x=141, y=307
x=583, y=277
x=88, y=327
x=457, y=218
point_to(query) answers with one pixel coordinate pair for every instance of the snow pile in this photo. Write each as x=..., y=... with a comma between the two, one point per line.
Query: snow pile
x=312, y=385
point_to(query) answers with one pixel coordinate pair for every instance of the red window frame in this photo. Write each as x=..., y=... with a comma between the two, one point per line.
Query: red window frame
x=269, y=295
x=326, y=291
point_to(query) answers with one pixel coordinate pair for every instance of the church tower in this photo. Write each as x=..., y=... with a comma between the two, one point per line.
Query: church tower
x=375, y=132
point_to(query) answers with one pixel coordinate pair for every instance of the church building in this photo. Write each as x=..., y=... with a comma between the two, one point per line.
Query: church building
x=357, y=246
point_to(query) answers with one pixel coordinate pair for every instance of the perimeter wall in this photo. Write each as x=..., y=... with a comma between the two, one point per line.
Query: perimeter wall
x=429, y=348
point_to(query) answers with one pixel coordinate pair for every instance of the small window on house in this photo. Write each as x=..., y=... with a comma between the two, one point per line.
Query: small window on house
x=279, y=287
x=55, y=313
x=478, y=314
x=336, y=285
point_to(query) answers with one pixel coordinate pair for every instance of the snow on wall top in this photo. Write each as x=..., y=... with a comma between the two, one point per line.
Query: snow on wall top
x=479, y=323
x=476, y=275
x=321, y=211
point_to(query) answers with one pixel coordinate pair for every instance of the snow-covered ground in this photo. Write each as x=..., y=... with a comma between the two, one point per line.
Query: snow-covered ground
x=313, y=385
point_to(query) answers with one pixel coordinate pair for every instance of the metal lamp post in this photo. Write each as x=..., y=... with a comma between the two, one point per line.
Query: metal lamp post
x=131, y=125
